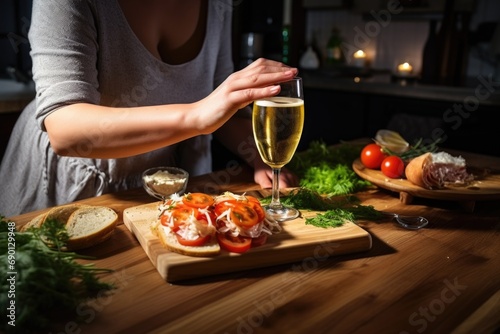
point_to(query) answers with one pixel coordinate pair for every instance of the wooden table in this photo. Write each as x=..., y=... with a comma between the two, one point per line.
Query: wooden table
x=442, y=279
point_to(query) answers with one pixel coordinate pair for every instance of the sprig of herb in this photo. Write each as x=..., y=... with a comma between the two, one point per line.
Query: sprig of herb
x=49, y=283
x=336, y=210
x=418, y=148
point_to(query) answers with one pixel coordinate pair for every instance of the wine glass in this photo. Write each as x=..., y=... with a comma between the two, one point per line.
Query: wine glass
x=277, y=127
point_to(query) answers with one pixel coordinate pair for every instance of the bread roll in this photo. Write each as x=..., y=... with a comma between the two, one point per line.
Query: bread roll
x=437, y=170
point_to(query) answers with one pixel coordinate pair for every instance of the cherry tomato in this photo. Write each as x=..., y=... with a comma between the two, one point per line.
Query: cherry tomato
x=237, y=244
x=393, y=167
x=372, y=156
x=200, y=241
x=198, y=200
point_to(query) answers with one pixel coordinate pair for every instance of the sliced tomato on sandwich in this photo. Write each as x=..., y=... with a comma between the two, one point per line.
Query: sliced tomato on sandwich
x=255, y=203
x=179, y=216
x=236, y=244
x=243, y=214
x=200, y=241
x=239, y=222
x=198, y=200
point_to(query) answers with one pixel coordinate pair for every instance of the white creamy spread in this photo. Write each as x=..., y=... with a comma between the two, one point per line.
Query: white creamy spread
x=165, y=183
x=443, y=158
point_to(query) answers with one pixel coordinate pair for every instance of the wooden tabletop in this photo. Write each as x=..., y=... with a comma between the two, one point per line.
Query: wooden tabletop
x=444, y=278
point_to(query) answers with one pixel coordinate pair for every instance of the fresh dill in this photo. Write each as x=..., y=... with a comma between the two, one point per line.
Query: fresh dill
x=49, y=283
x=334, y=210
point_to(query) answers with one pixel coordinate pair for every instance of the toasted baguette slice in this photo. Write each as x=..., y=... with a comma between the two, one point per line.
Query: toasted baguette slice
x=169, y=241
x=62, y=213
x=88, y=226
x=59, y=213
x=35, y=222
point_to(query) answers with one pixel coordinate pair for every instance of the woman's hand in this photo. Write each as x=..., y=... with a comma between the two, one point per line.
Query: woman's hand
x=264, y=177
x=256, y=81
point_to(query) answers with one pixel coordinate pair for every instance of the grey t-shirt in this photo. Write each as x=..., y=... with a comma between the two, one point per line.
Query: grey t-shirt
x=85, y=51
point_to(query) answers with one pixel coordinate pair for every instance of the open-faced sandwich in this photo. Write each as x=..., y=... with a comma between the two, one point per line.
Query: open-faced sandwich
x=199, y=224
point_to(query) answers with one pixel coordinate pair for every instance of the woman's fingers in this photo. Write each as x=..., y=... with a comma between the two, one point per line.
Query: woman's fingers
x=257, y=81
x=262, y=73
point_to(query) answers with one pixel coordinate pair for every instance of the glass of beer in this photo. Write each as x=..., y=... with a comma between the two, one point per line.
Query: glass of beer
x=277, y=128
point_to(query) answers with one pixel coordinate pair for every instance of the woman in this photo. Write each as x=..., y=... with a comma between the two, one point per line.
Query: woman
x=124, y=85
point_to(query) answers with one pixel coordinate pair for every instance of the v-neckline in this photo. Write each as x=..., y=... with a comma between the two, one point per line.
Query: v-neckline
x=137, y=40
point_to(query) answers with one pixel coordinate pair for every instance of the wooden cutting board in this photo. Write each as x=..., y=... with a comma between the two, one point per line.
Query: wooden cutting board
x=297, y=242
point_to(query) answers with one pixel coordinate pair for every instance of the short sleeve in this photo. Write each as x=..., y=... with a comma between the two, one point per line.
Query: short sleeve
x=64, y=48
x=225, y=64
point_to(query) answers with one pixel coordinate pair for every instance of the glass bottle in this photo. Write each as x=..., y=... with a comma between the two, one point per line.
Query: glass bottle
x=334, y=54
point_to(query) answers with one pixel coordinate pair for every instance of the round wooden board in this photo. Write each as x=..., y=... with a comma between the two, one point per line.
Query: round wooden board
x=484, y=188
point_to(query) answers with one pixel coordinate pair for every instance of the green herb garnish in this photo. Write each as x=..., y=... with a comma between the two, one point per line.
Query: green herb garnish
x=327, y=169
x=49, y=283
x=331, y=218
x=336, y=209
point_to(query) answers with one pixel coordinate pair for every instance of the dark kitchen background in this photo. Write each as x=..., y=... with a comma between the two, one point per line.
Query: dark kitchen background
x=449, y=86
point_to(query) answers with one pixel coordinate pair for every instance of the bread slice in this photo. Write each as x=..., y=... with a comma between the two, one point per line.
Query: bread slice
x=169, y=241
x=88, y=226
x=59, y=213
x=35, y=222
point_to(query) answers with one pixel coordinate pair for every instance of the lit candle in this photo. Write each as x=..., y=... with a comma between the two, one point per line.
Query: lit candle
x=405, y=69
x=359, y=58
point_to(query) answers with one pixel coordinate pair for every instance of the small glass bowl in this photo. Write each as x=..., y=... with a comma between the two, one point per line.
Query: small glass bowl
x=163, y=182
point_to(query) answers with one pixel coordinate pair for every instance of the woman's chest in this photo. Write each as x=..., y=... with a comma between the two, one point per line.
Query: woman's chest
x=172, y=31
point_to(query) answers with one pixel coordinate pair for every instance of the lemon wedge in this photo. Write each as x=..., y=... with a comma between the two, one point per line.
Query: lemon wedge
x=392, y=141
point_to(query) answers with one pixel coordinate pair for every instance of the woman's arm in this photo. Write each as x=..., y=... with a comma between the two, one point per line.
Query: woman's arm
x=93, y=131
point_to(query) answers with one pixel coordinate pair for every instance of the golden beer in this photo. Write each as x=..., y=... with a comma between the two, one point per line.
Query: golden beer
x=277, y=127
